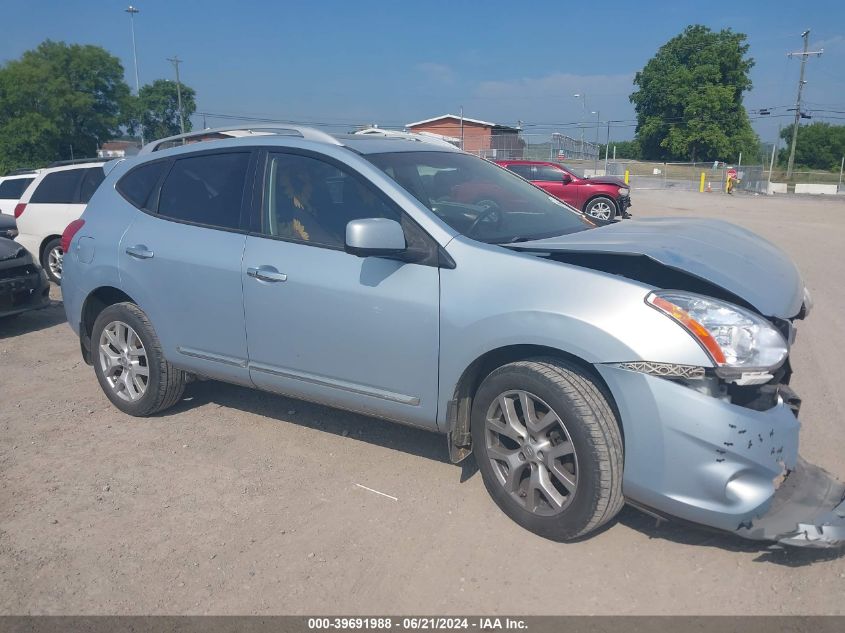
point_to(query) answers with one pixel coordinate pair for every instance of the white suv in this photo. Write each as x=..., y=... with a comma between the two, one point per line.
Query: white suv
x=12, y=188
x=56, y=197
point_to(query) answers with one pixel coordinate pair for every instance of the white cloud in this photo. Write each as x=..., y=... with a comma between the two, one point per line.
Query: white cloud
x=440, y=73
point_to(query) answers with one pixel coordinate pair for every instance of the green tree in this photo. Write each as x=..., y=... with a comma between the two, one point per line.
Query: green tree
x=689, y=98
x=819, y=146
x=624, y=149
x=156, y=108
x=56, y=101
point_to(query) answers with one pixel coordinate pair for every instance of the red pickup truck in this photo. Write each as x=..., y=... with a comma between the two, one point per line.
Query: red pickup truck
x=600, y=197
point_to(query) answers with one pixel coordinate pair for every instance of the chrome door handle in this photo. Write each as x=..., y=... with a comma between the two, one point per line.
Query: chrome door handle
x=139, y=251
x=266, y=273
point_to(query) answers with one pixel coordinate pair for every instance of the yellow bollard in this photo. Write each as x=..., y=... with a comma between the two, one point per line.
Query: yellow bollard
x=627, y=174
x=701, y=184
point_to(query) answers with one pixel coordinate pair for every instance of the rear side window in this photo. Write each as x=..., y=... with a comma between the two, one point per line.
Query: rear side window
x=137, y=186
x=522, y=170
x=59, y=187
x=205, y=189
x=13, y=189
x=548, y=173
x=90, y=181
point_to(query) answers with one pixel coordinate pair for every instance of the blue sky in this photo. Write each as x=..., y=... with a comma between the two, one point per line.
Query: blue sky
x=354, y=62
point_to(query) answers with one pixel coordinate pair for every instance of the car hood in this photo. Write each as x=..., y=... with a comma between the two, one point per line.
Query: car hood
x=9, y=249
x=718, y=252
x=606, y=180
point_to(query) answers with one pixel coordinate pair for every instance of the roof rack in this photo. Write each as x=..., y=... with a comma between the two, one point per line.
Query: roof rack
x=22, y=171
x=421, y=137
x=77, y=161
x=307, y=133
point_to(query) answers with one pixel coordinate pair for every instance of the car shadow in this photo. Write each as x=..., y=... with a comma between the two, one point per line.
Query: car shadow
x=699, y=536
x=406, y=439
x=33, y=321
x=432, y=446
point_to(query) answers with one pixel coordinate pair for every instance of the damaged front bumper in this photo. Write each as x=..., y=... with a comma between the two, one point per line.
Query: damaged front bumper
x=714, y=462
x=807, y=510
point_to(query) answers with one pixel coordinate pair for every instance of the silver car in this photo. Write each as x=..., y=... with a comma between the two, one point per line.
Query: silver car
x=585, y=366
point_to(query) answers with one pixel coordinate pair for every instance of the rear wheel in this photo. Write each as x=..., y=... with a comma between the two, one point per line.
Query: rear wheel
x=548, y=447
x=129, y=363
x=601, y=208
x=52, y=258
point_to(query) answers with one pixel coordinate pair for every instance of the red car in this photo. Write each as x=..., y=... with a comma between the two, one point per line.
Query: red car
x=601, y=197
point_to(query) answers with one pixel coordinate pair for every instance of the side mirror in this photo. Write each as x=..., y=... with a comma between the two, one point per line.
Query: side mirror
x=375, y=237
x=565, y=179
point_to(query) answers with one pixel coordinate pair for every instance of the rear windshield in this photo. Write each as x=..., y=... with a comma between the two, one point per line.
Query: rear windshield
x=480, y=199
x=13, y=189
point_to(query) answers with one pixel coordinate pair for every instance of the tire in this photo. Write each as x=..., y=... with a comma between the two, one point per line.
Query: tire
x=51, y=260
x=602, y=208
x=139, y=395
x=585, y=426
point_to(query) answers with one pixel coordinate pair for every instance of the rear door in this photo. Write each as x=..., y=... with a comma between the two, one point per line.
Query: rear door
x=181, y=257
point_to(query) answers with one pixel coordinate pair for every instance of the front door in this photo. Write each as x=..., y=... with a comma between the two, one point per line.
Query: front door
x=356, y=333
x=553, y=180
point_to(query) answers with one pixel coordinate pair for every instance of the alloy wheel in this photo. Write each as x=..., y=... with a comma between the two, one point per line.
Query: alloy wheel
x=601, y=210
x=531, y=452
x=124, y=362
x=55, y=258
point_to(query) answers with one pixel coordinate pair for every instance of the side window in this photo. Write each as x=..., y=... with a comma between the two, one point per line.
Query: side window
x=58, y=187
x=307, y=200
x=206, y=189
x=137, y=186
x=13, y=189
x=92, y=179
x=523, y=170
x=548, y=173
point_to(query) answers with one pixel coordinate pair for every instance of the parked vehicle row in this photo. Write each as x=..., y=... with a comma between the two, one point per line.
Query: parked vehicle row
x=584, y=364
x=55, y=197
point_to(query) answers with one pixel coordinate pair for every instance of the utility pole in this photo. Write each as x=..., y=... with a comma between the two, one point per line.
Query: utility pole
x=803, y=55
x=132, y=11
x=606, y=147
x=598, y=124
x=176, y=61
x=462, y=127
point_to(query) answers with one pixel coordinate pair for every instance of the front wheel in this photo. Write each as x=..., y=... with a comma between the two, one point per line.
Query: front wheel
x=548, y=447
x=601, y=208
x=52, y=259
x=129, y=362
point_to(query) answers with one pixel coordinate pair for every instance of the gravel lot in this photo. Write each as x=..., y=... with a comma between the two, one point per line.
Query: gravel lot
x=243, y=502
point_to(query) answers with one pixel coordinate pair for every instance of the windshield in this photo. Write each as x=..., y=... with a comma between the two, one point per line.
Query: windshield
x=479, y=199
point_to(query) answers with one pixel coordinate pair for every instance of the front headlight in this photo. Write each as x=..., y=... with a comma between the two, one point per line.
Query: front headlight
x=732, y=336
x=624, y=192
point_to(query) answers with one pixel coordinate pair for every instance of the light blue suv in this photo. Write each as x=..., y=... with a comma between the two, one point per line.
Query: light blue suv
x=584, y=365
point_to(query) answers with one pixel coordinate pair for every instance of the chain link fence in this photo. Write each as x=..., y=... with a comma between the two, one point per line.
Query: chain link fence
x=588, y=159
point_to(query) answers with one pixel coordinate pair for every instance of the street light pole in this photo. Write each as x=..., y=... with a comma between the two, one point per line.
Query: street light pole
x=598, y=125
x=583, y=98
x=132, y=11
x=176, y=61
